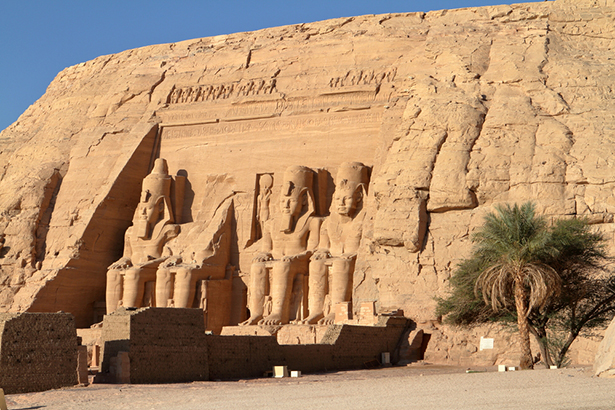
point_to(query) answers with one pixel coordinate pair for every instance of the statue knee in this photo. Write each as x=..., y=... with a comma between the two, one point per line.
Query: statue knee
x=317, y=266
x=132, y=276
x=183, y=275
x=258, y=266
x=163, y=275
x=283, y=265
x=113, y=277
x=341, y=265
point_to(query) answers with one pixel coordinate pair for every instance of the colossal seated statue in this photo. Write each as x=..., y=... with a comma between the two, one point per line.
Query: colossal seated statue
x=287, y=243
x=144, y=242
x=206, y=257
x=340, y=235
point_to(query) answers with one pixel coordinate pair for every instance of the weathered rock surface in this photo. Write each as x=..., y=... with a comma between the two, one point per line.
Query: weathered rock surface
x=604, y=364
x=454, y=110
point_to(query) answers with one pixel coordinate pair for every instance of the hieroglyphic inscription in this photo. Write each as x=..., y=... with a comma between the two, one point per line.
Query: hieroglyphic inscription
x=363, y=77
x=241, y=88
x=291, y=105
x=269, y=125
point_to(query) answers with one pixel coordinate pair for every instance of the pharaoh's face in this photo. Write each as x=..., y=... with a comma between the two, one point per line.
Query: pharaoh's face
x=291, y=199
x=149, y=210
x=346, y=201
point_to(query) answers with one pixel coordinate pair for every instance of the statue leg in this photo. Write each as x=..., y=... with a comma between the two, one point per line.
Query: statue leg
x=341, y=286
x=185, y=287
x=317, y=289
x=114, y=289
x=282, y=277
x=134, y=286
x=258, y=286
x=164, y=281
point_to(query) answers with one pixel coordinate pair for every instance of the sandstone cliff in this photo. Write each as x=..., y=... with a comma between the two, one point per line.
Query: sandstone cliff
x=454, y=110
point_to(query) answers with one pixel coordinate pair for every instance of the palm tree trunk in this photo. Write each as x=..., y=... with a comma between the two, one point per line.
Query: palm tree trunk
x=525, y=361
x=541, y=338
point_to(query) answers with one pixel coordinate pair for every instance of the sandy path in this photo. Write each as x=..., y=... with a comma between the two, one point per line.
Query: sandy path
x=424, y=387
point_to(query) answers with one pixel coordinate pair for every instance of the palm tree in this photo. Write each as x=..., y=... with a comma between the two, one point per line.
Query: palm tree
x=514, y=242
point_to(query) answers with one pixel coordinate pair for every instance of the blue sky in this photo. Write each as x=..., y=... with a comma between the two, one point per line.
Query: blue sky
x=39, y=38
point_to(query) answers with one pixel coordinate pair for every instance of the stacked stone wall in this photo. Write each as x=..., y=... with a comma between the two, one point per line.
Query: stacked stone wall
x=170, y=345
x=167, y=345
x=236, y=357
x=163, y=345
x=38, y=351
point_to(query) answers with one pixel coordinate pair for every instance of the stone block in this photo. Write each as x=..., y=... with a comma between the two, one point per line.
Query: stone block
x=367, y=313
x=82, y=365
x=343, y=312
x=95, y=356
x=385, y=358
x=280, y=371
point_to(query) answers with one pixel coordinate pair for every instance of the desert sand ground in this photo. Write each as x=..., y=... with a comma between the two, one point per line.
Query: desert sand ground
x=412, y=387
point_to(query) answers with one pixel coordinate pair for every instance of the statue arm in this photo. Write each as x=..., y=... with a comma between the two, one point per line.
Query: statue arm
x=302, y=255
x=314, y=234
x=127, y=246
x=324, y=244
x=124, y=262
x=266, y=247
x=312, y=241
x=349, y=255
x=171, y=261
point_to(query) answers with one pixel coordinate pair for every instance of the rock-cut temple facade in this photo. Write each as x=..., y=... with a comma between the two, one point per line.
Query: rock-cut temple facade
x=300, y=174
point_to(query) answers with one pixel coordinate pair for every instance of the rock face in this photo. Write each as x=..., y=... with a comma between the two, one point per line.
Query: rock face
x=452, y=111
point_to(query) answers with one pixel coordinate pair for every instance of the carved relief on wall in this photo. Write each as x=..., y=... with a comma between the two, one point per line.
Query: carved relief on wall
x=262, y=202
x=241, y=88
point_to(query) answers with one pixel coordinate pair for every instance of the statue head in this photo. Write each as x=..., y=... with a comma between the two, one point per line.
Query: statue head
x=296, y=198
x=350, y=188
x=265, y=182
x=154, y=206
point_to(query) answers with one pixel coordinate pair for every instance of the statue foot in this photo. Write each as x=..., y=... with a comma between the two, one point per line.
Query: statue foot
x=327, y=320
x=251, y=321
x=271, y=320
x=312, y=319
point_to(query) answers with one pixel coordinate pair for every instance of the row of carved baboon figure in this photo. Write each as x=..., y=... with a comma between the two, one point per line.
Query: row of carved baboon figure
x=221, y=91
x=295, y=242
x=363, y=77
